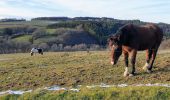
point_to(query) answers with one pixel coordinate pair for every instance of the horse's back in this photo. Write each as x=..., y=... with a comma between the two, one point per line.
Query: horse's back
x=153, y=31
x=144, y=36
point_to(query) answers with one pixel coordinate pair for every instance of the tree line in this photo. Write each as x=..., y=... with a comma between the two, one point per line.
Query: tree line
x=67, y=28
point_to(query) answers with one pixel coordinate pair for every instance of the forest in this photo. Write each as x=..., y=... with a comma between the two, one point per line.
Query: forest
x=63, y=33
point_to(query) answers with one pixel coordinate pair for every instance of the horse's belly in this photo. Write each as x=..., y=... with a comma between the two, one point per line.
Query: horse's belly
x=144, y=46
x=141, y=49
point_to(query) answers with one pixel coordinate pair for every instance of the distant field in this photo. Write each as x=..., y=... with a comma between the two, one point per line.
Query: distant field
x=45, y=39
x=31, y=23
x=23, y=38
x=69, y=69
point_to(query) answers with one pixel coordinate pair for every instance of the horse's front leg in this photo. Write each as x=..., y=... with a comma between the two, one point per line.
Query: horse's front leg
x=153, y=59
x=133, y=60
x=126, y=55
x=148, y=57
x=112, y=56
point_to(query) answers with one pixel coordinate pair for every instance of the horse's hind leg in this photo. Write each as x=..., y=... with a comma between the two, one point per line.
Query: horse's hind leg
x=148, y=57
x=126, y=55
x=153, y=59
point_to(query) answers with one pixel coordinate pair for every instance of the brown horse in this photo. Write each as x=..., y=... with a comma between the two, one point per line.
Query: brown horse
x=131, y=38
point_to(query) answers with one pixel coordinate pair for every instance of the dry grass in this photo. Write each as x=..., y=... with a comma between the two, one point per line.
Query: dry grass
x=22, y=71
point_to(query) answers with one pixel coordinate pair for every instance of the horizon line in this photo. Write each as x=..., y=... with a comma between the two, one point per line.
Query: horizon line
x=30, y=18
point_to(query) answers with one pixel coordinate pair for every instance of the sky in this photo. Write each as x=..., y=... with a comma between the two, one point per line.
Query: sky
x=144, y=10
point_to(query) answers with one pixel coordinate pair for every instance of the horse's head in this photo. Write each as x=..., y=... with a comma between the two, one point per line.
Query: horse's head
x=116, y=48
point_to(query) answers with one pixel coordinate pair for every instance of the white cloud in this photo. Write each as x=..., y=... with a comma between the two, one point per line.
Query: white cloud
x=90, y=7
x=147, y=10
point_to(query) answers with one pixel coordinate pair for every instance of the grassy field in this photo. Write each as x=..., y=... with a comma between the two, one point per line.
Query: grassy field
x=115, y=93
x=29, y=23
x=23, y=38
x=68, y=69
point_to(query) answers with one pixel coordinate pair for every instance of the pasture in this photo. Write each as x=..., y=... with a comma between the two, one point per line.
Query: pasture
x=36, y=23
x=21, y=71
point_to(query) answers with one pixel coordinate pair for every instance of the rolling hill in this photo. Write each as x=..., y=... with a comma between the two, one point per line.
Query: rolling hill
x=51, y=33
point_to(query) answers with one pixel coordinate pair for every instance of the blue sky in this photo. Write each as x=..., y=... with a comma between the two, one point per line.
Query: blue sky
x=145, y=10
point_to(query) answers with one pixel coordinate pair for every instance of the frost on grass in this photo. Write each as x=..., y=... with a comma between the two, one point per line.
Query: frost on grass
x=55, y=88
x=125, y=85
x=102, y=85
x=58, y=88
x=19, y=92
x=74, y=89
x=106, y=86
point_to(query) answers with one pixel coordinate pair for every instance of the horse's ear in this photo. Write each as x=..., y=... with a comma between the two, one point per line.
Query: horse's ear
x=118, y=37
x=111, y=38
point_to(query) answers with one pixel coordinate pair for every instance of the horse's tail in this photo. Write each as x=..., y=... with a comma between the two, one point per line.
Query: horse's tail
x=159, y=35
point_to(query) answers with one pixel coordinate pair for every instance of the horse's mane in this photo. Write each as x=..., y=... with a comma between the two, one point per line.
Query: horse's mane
x=122, y=33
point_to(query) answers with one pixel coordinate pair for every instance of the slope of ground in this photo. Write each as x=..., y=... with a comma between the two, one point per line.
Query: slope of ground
x=70, y=69
x=22, y=71
x=77, y=37
x=67, y=37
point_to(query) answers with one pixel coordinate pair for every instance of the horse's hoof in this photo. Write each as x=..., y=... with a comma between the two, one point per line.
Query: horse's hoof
x=131, y=75
x=146, y=66
x=149, y=71
x=112, y=63
x=125, y=74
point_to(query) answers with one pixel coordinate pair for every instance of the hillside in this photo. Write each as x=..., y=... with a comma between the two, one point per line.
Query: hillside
x=75, y=68
x=61, y=33
x=71, y=69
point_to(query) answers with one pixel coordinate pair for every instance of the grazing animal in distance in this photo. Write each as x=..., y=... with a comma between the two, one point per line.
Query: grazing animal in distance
x=132, y=38
x=36, y=50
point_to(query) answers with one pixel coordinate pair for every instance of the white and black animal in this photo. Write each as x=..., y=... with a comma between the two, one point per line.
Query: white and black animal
x=36, y=50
